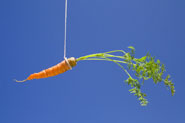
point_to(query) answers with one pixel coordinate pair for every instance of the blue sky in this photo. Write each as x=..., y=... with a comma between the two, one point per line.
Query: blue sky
x=31, y=39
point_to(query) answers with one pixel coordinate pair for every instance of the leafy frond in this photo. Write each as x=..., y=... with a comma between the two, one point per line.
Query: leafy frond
x=144, y=68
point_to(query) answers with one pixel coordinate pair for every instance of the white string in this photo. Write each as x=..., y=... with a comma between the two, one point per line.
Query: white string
x=65, y=36
x=65, y=30
x=65, y=58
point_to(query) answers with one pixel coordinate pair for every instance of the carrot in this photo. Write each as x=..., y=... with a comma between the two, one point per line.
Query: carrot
x=144, y=68
x=53, y=71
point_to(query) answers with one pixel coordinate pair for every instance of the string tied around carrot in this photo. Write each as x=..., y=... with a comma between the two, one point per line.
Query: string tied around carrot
x=142, y=69
x=66, y=60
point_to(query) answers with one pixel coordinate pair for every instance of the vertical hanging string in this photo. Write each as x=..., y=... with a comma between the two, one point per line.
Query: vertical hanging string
x=65, y=36
x=65, y=30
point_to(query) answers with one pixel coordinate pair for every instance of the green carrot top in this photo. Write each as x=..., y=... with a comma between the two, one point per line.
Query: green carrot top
x=144, y=68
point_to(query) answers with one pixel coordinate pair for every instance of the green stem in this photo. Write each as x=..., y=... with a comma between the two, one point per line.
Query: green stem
x=97, y=55
x=103, y=60
x=101, y=55
x=108, y=55
x=105, y=56
x=115, y=61
x=116, y=51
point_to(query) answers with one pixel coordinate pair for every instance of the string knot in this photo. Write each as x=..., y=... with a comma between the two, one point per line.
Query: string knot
x=66, y=60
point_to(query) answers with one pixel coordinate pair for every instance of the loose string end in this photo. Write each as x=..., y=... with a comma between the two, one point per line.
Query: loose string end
x=20, y=81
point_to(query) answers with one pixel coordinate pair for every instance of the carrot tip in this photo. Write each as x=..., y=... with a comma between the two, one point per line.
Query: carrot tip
x=20, y=81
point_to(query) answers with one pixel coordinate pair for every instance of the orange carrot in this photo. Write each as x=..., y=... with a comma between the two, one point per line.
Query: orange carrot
x=53, y=71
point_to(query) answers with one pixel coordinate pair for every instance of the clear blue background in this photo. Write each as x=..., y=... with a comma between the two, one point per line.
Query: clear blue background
x=31, y=39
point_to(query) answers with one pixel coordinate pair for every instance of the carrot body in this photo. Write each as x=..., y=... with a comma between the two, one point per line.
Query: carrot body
x=53, y=71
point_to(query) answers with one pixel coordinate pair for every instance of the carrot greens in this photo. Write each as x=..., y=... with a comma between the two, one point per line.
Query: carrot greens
x=144, y=68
